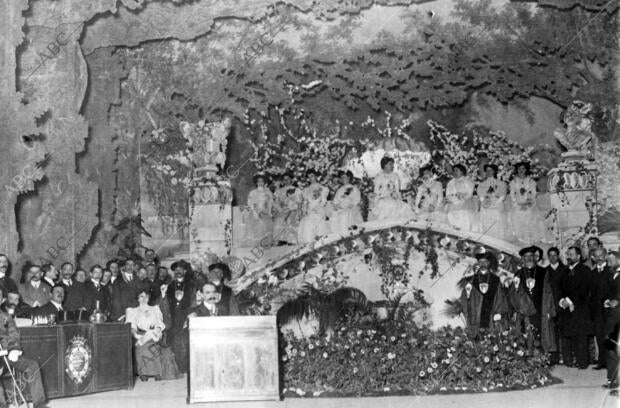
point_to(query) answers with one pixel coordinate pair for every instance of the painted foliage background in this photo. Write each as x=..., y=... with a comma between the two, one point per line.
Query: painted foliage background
x=138, y=68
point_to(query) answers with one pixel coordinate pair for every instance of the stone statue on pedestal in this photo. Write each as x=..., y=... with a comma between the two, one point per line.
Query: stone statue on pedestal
x=578, y=134
x=208, y=143
x=210, y=191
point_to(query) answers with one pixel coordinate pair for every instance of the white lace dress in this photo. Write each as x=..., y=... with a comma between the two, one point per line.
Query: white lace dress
x=259, y=220
x=313, y=224
x=387, y=202
x=429, y=201
x=459, y=204
x=345, y=209
x=288, y=202
x=526, y=222
x=492, y=218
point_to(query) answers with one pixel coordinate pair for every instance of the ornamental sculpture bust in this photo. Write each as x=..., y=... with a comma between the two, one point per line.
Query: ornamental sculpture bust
x=207, y=143
x=578, y=133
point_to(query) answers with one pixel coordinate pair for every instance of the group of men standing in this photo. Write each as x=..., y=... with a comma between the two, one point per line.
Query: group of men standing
x=566, y=307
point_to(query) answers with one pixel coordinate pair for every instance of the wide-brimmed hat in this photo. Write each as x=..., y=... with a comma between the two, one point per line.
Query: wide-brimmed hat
x=183, y=264
x=528, y=250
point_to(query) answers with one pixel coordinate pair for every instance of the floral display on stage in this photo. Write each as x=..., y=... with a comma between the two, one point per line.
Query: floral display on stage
x=389, y=248
x=398, y=357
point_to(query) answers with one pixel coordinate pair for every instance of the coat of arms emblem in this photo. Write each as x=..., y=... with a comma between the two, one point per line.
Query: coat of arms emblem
x=78, y=359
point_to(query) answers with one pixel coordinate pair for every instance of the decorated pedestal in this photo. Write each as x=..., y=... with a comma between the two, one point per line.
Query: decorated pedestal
x=210, y=217
x=572, y=186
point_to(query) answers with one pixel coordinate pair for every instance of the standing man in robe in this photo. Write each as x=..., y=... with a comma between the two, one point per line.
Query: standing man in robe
x=575, y=317
x=482, y=298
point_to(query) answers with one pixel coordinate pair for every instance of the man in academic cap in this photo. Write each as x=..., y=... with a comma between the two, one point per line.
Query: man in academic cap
x=539, y=290
x=482, y=298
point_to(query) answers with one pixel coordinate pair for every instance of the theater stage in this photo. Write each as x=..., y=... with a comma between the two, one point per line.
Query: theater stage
x=581, y=389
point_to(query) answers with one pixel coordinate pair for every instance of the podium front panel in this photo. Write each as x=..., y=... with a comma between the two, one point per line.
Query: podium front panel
x=233, y=358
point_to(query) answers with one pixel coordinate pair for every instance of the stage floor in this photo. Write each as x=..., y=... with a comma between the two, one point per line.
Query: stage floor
x=581, y=389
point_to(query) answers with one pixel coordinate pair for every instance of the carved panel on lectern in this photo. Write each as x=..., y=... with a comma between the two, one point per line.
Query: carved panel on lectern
x=233, y=359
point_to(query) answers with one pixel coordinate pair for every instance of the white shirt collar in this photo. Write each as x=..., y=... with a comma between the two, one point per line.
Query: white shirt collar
x=604, y=264
x=67, y=282
x=58, y=305
x=35, y=284
x=210, y=306
x=554, y=266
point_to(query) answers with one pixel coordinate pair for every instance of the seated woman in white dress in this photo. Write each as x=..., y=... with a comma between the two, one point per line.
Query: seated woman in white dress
x=492, y=195
x=459, y=204
x=527, y=224
x=313, y=224
x=387, y=202
x=287, y=207
x=259, y=221
x=429, y=198
x=345, y=207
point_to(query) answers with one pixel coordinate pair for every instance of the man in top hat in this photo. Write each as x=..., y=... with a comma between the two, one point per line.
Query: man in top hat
x=482, y=299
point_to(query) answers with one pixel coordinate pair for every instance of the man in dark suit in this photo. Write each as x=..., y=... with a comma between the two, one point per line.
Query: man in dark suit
x=15, y=306
x=9, y=340
x=555, y=273
x=179, y=295
x=96, y=291
x=532, y=277
x=612, y=325
x=124, y=290
x=154, y=283
x=54, y=306
x=212, y=303
x=7, y=285
x=50, y=275
x=33, y=291
x=601, y=281
x=76, y=298
x=575, y=316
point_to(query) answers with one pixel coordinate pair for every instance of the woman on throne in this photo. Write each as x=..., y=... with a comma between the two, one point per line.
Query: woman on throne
x=345, y=210
x=287, y=205
x=259, y=222
x=459, y=193
x=492, y=194
x=527, y=223
x=429, y=198
x=387, y=202
x=313, y=223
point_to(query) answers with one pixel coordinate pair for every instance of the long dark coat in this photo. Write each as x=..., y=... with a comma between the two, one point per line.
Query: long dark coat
x=577, y=286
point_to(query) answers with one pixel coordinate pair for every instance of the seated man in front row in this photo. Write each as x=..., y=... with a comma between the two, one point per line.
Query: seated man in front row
x=212, y=303
x=9, y=340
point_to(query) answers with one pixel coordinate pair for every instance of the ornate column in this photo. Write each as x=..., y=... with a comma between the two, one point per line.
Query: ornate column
x=210, y=209
x=572, y=184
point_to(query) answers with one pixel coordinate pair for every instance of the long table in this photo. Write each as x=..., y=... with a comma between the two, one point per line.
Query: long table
x=81, y=358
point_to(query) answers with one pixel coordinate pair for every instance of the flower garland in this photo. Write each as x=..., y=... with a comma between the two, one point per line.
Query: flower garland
x=394, y=243
x=452, y=149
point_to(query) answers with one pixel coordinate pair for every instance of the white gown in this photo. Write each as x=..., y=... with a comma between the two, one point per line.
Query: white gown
x=259, y=222
x=430, y=193
x=492, y=218
x=313, y=223
x=388, y=202
x=459, y=207
x=288, y=201
x=527, y=223
x=345, y=210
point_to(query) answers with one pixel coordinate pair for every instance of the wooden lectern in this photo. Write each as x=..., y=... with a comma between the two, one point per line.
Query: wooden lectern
x=233, y=359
